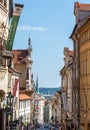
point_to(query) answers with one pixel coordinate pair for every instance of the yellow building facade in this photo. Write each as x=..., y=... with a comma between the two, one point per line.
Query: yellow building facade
x=84, y=34
x=81, y=39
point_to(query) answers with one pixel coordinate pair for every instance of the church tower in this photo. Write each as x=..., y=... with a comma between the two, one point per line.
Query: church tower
x=29, y=67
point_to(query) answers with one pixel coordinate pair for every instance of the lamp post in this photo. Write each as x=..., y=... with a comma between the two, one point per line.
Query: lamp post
x=9, y=110
x=10, y=100
x=20, y=122
x=27, y=123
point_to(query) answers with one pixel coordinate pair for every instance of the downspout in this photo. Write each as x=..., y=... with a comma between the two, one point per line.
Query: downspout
x=78, y=82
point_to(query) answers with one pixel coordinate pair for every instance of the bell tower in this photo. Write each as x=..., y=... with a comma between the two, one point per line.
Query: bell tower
x=29, y=67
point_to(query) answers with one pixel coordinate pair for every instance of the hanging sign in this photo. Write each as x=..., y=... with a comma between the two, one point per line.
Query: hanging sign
x=13, y=26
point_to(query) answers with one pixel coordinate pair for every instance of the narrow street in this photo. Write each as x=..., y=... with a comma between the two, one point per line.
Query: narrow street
x=44, y=78
x=46, y=127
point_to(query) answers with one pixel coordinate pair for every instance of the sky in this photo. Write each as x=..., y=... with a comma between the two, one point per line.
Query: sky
x=49, y=23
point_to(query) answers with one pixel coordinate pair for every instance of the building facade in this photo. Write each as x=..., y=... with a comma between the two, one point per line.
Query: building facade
x=56, y=110
x=23, y=63
x=81, y=40
x=24, y=108
x=67, y=90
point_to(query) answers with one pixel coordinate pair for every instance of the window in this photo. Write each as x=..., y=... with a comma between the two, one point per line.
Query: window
x=81, y=68
x=28, y=103
x=20, y=105
x=86, y=68
x=5, y=3
x=88, y=34
x=20, y=58
x=1, y=1
x=9, y=80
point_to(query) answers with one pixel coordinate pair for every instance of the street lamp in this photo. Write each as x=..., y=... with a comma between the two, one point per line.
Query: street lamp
x=27, y=123
x=10, y=100
x=9, y=112
x=9, y=109
x=20, y=122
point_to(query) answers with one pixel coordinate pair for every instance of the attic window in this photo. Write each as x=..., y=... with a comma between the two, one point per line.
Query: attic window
x=20, y=58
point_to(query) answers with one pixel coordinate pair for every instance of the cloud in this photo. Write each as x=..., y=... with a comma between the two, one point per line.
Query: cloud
x=27, y=28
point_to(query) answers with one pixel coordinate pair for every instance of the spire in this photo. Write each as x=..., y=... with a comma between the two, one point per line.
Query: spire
x=29, y=43
x=36, y=88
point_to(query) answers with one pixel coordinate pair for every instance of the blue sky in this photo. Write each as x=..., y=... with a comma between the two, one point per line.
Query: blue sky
x=49, y=24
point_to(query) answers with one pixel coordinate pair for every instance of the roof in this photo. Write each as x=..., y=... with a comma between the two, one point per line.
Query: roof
x=23, y=96
x=29, y=92
x=82, y=6
x=19, y=55
x=79, y=25
x=15, y=72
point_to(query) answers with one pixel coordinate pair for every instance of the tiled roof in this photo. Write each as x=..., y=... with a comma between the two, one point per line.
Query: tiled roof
x=19, y=55
x=23, y=96
x=29, y=92
x=82, y=6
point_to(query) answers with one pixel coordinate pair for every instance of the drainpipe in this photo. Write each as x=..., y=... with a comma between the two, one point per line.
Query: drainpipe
x=78, y=82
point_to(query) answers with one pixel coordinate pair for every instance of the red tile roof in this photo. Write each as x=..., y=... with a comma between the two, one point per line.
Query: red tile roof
x=82, y=6
x=23, y=96
x=19, y=55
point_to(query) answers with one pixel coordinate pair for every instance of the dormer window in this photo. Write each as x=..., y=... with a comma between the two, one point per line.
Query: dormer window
x=20, y=58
